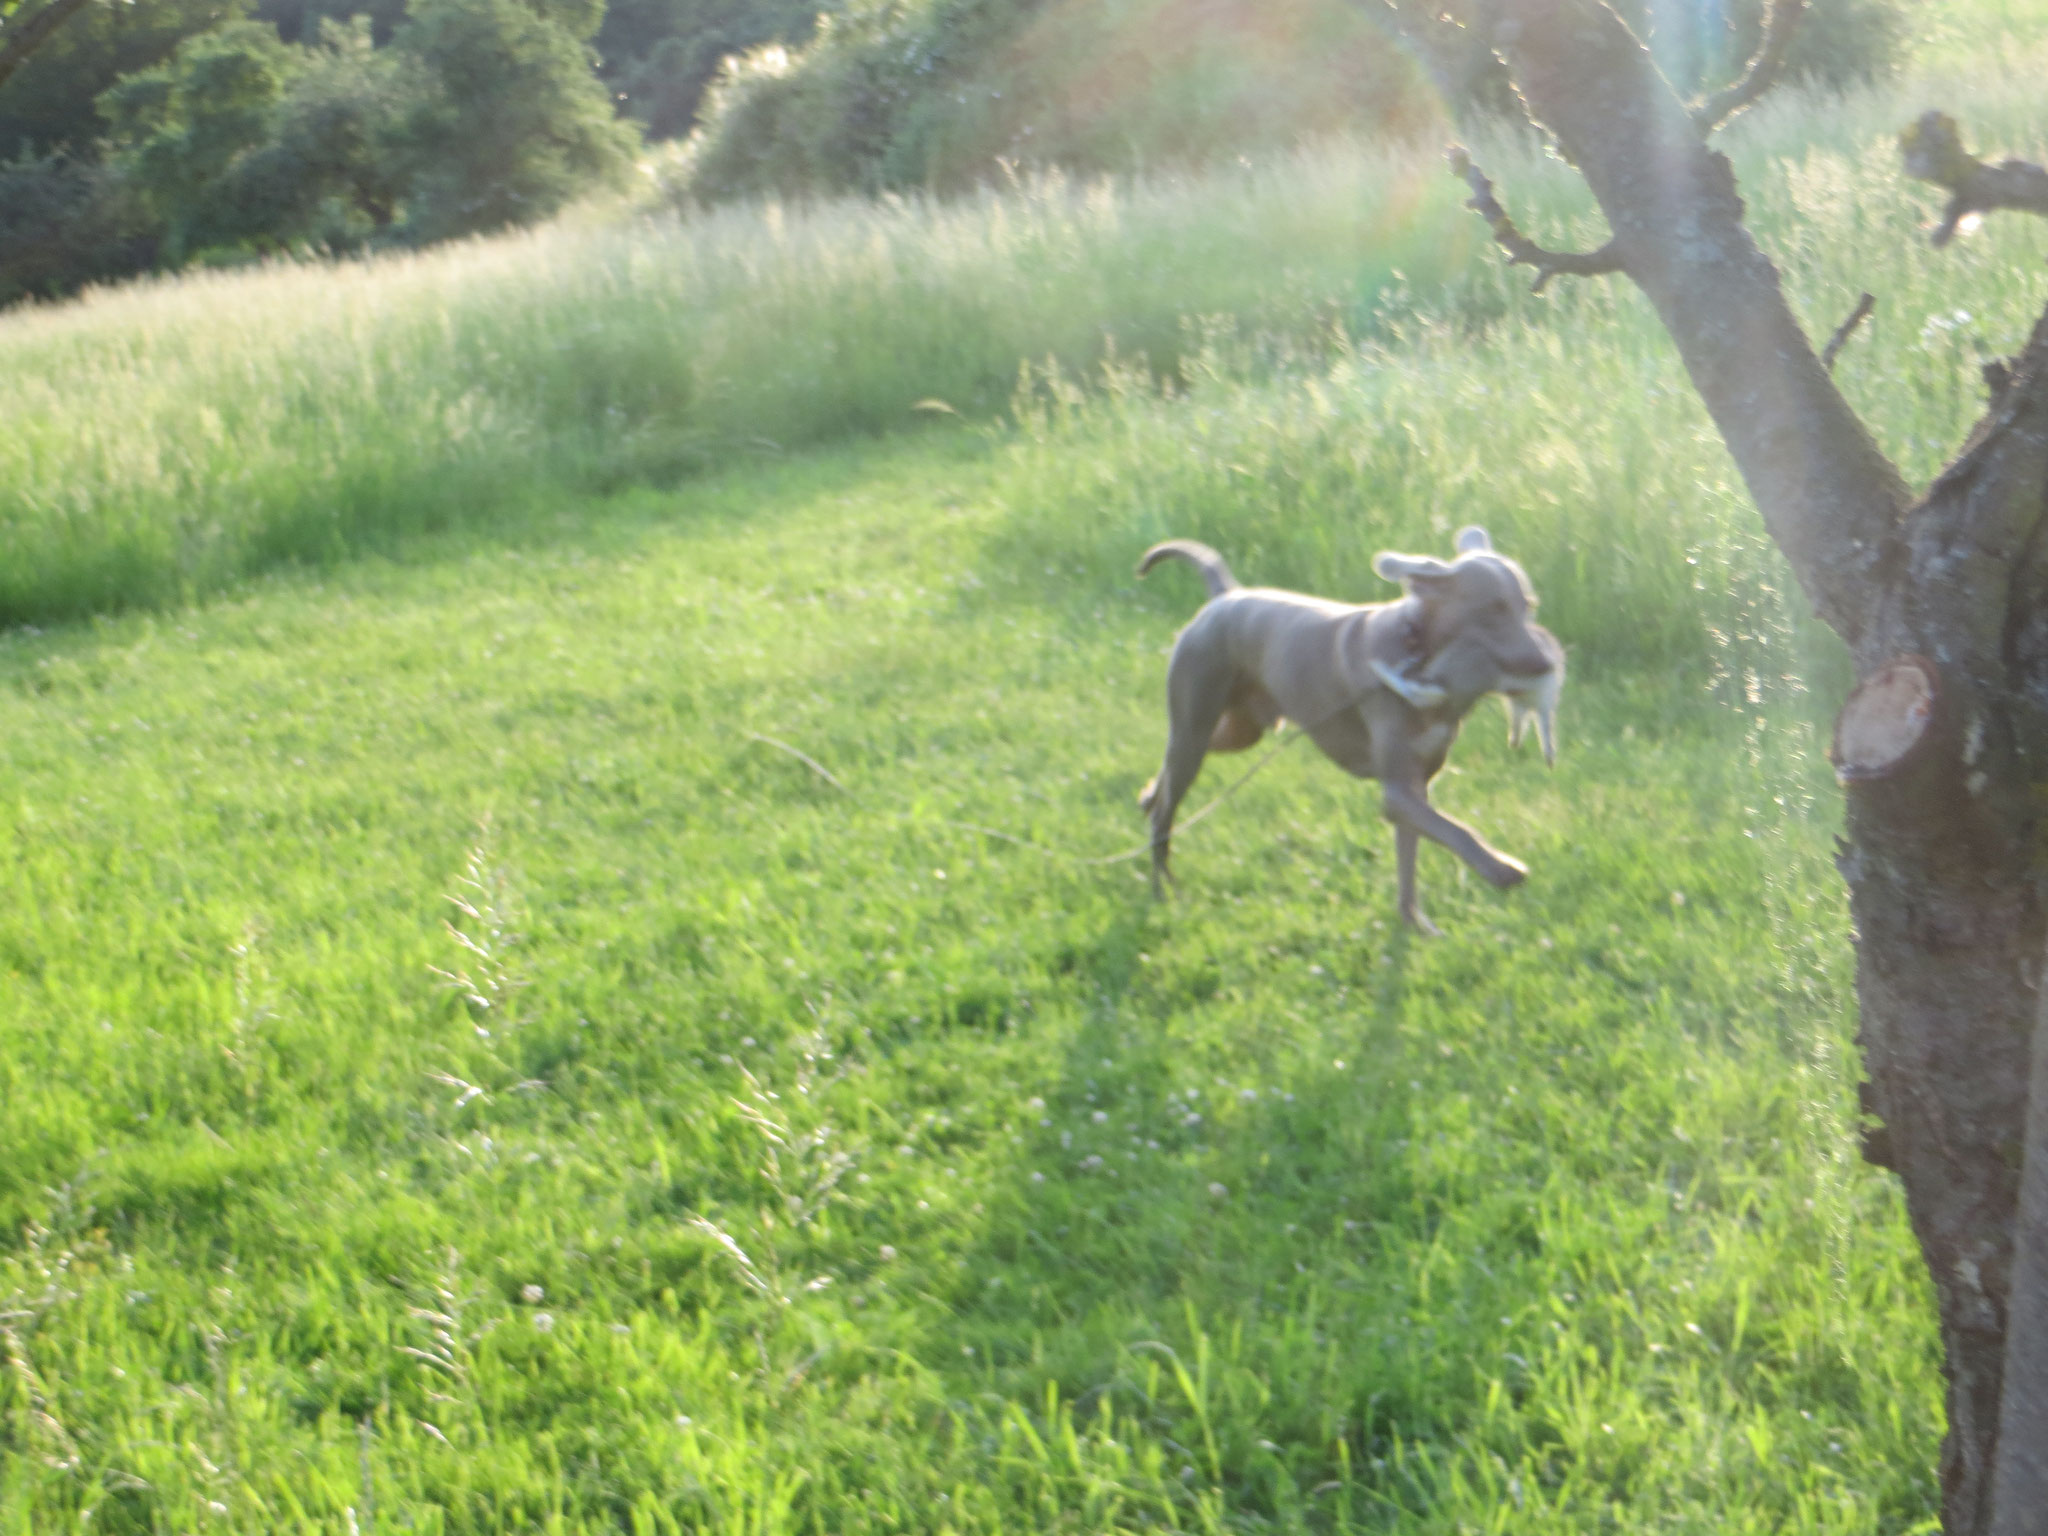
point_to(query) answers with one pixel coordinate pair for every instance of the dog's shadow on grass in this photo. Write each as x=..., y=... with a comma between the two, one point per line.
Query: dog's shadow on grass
x=1206, y=1150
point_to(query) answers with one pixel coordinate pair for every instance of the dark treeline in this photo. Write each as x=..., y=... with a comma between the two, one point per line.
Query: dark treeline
x=150, y=135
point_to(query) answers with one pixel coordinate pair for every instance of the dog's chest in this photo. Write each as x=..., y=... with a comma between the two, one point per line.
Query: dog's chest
x=1431, y=742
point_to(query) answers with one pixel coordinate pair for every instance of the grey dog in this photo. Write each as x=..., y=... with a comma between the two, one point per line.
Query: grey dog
x=1380, y=687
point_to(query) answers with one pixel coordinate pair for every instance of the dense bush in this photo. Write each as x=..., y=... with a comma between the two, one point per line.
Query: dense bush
x=51, y=102
x=481, y=113
x=64, y=221
x=510, y=124
x=186, y=127
x=153, y=135
x=660, y=56
x=941, y=93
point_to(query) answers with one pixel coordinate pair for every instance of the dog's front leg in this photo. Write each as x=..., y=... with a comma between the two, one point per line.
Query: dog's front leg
x=1408, y=806
x=1406, y=841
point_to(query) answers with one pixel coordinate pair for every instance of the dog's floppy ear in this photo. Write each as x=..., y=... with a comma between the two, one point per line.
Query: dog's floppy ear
x=1473, y=537
x=1393, y=567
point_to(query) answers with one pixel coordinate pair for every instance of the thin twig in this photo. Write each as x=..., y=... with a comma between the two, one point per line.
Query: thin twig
x=1780, y=22
x=803, y=757
x=1522, y=251
x=1845, y=330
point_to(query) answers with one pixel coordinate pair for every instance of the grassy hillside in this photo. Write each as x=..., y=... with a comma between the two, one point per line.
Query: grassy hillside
x=166, y=440
x=462, y=1070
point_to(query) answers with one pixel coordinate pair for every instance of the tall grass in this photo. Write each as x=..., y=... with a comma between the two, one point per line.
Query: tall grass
x=1566, y=424
x=169, y=438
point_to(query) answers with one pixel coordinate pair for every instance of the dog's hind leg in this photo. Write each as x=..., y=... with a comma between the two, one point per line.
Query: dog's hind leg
x=1196, y=691
x=1162, y=797
x=1245, y=719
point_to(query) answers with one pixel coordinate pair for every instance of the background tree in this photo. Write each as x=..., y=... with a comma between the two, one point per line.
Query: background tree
x=185, y=126
x=50, y=102
x=1942, y=599
x=659, y=57
x=512, y=123
x=24, y=29
x=243, y=143
x=238, y=142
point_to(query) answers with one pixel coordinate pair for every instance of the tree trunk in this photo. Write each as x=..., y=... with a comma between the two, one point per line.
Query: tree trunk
x=1945, y=895
x=2020, y=1489
x=1941, y=854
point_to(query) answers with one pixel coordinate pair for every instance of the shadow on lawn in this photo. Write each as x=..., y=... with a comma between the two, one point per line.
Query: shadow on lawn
x=1185, y=1263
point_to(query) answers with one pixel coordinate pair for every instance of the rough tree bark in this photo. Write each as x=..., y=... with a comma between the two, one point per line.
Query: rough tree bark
x=2020, y=1486
x=1943, y=750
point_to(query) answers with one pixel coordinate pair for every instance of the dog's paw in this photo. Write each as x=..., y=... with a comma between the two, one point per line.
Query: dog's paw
x=1414, y=919
x=1508, y=873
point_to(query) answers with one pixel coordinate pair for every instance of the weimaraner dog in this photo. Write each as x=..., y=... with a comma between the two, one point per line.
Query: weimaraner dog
x=1380, y=687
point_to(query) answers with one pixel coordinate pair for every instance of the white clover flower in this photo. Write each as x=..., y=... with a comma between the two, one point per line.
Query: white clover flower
x=1219, y=1191
x=543, y=1322
x=532, y=1295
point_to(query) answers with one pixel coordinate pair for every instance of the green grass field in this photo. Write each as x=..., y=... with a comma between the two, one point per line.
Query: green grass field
x=1242, y=1210
x=459, y=1074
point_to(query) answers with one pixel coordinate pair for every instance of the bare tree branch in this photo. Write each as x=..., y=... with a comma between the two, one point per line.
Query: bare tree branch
x=19, y=39
x=1676, y=215
x=1522, y=251
x=1845, y=330
x=1933, y=151
x=1780, y=23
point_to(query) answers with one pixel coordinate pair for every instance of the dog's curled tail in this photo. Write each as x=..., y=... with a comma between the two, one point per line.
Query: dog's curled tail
x=1215, y=574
